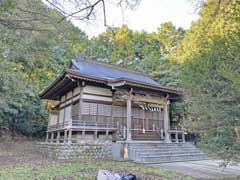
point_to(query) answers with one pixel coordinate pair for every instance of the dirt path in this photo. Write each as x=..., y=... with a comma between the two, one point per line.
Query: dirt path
x=202, y=169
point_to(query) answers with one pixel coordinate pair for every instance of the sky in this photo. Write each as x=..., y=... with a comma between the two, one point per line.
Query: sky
x=147, y=16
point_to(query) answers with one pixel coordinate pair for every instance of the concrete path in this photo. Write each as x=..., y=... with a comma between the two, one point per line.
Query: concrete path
x=205, y=169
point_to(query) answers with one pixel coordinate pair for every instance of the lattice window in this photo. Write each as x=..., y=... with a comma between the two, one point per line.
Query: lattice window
x=68, y=113
x=75, y=111
x=136, y=113
x=61, y=116
x=86, y=108
x=93, y=109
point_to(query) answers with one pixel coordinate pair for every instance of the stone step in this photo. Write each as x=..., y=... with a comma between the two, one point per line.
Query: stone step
x=171, y=154
x=161, y=144
x=172, y=158
x=161, y=148
x=157, y=153
x=164, y=152
x=139, y=152
x=137, y=155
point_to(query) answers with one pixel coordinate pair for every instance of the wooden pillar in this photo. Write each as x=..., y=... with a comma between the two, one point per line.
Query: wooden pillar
x=71, y=120
x=52, y=136
x=166, y=123
x=58, y=137
x=80, y=100
x=70, y=136
x=65, y=136
x=107, y=136
x=64, y=110
x=95, y=133
x=147, y=124
x=129, y=118
x=47, y=137
x=83, y=136
x=124, y=132
x=83, y=133
x=95, y=136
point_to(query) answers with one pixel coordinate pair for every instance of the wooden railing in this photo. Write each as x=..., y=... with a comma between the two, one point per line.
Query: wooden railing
x=59, y=126
x=93, y=124
x=90, y=125
x=177, y=135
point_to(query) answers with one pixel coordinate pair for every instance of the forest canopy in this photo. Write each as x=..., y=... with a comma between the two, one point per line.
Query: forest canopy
x=204, y=61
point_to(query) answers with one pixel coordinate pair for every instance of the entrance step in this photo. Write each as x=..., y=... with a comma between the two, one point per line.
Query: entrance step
x=147, y=136
x=164, y=152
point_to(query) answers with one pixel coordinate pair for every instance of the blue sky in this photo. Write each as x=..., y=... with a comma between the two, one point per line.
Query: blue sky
x=148, y=16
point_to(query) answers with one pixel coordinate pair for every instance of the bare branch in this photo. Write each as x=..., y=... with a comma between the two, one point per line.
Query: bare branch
x=28, y=16
x=90, y=8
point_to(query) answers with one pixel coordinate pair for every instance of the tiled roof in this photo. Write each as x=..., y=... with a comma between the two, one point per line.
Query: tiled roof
x=109, y=72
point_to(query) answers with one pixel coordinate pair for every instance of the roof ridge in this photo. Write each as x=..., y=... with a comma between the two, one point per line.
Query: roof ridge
x=97, y=61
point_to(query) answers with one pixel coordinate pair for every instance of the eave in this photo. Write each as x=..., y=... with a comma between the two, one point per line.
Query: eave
x=71, y=75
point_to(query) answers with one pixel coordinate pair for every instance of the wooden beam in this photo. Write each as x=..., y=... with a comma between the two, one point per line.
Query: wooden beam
x=149, y=99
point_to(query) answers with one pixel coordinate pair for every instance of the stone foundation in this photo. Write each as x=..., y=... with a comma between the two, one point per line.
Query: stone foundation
x=88, y=151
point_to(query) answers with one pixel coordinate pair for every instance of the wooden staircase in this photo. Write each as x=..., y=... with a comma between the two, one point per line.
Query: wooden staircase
x=147, y=136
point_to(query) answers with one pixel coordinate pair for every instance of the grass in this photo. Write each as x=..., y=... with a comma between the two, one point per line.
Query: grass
x=20, y=160
x=77, y=170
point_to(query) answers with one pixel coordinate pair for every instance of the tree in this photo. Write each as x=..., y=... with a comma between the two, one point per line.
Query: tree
x=29, y=61
x=210, y=53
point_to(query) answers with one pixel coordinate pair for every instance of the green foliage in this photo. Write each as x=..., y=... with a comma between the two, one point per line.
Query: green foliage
x=211, y=72
x=150, y=52
x=29, y=61
x=204, y=60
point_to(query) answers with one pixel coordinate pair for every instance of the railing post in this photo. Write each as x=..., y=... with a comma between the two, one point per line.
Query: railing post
x=58, y=136
x=47, y=137
x=65, y=136
x=176, y=135
x=52, y=137
x=70, y=136
x=161, y=133
x=183, y=136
